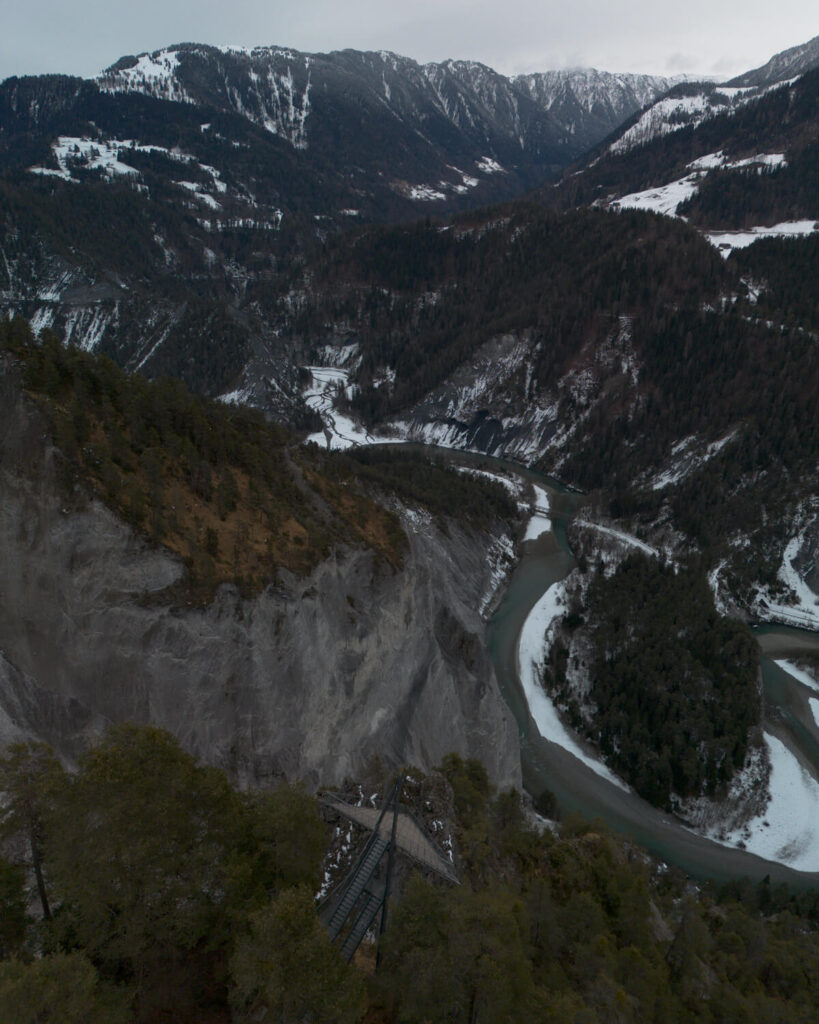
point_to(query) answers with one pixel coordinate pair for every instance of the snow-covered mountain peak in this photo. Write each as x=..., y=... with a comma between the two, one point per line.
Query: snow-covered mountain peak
x=589, y=103
x=154, y=74
x=268, y=85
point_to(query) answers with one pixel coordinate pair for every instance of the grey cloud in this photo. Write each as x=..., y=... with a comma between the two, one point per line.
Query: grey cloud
x=635, y=35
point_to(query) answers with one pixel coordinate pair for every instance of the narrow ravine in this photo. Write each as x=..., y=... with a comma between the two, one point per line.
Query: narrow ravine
x=548, y=765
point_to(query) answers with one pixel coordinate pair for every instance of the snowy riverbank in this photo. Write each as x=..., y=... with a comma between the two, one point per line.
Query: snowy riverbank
x=788, y=831
x=533, y=647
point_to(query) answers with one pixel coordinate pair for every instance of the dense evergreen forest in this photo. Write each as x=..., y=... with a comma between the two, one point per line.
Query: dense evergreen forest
x=674, y=697
x=563, y=279
x=421, y=300
x=235, y=497
x=787, y=271
x=736, y=199
x=783, y=121
x=161, y=894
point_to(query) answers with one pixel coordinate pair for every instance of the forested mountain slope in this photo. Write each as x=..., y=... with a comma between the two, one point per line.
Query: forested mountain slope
x=145, y=217
x=216, y=921
x=787, y=64
x=151, y=213
x=617, y=350
x=140, y=207
x=753, y=164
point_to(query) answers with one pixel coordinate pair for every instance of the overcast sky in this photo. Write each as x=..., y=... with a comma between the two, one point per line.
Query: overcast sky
x=717, y=37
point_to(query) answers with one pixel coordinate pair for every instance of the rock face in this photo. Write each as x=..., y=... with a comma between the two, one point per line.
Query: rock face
x=787, y=64
x=309, y=680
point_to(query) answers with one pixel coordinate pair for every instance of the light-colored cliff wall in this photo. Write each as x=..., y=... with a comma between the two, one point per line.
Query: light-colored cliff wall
x=308, y=680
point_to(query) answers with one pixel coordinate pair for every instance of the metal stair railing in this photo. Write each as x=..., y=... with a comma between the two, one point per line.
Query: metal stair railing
x=362, y=923
x=358, y=879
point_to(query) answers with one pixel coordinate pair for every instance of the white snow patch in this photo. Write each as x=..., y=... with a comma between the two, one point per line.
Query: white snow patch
x=153, y=74
x=800, y=674
x=626, y=538
x=489, y=166
x=727, y=241
x=240, y=396
x=424, y=193
x=669, y=114
x=533, y=647
x=788, y=830
x=664, y=199
x=714, y=585
x=85, y=327
x=42, y=318
x=762, y=160
x=417, y=518
x=500, y=560
x=53, y=289
x=73, y=152
x=686, y=459
x=197, y=189
x=159, y=341
x=712, y=161
x=808, y=601
x=801, y=607
x=708, y=162
x=814, y=706
x=735, y=90
x=663, y=117
x=340, y=431
x=93, y=154
x=50, y=172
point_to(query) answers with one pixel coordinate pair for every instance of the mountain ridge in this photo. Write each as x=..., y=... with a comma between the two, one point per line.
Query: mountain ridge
x=616, y=95
x=787, y=63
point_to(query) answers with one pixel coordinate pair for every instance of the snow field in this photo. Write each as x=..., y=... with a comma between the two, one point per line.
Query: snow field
x=664, y=199
x=803, y=610
x=727, y=241
x=788, y=831
x=626, y=538
x=340, y=431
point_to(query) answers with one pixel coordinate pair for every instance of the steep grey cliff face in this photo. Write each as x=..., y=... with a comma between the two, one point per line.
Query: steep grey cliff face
x=308, y=680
